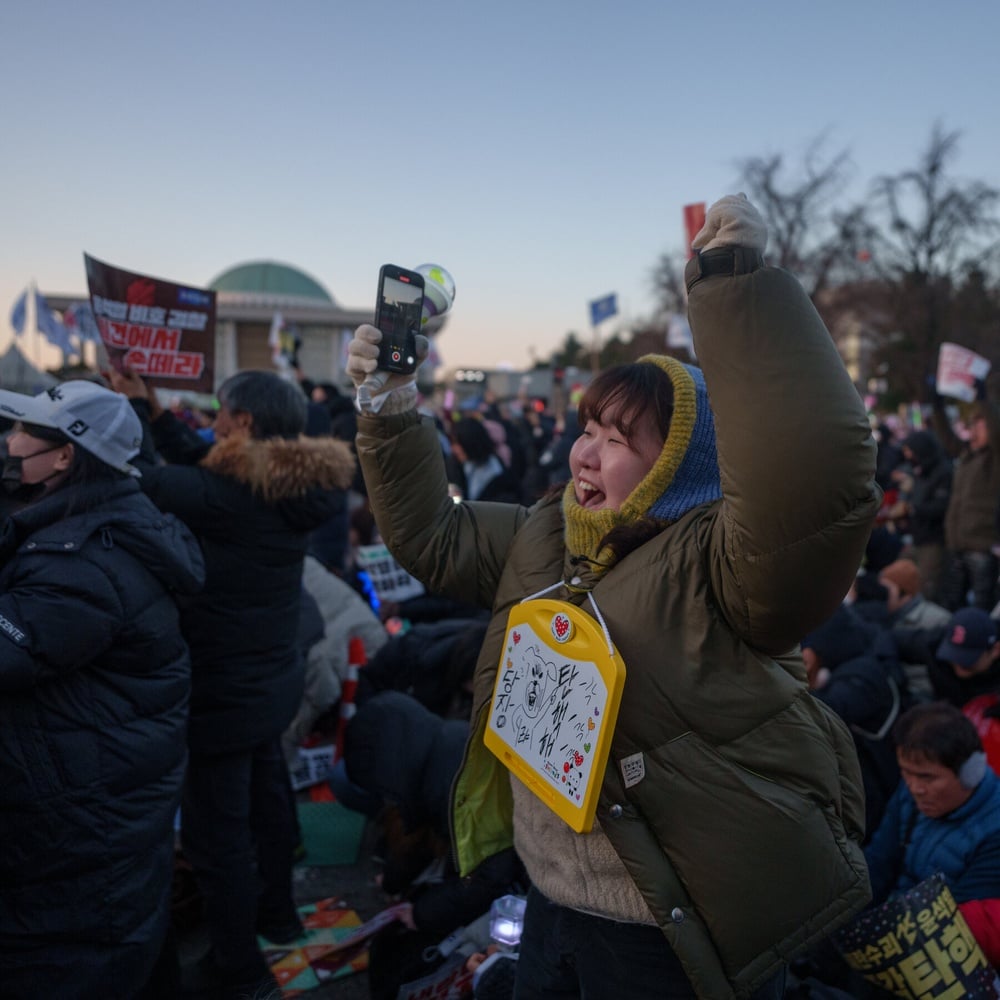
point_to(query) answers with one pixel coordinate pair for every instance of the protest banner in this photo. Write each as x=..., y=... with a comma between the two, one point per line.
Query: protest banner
x=391, y=582
x=958, y=371
x=162, y=331
x=917, y=945
x=694, y=219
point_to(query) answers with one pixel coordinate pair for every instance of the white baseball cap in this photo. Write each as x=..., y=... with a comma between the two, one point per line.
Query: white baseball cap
x=89, y=415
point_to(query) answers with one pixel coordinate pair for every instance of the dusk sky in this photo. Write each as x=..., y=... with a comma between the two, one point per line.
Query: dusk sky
x=541, y=151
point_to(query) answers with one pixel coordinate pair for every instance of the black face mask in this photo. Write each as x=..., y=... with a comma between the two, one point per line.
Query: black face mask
x=11, y=477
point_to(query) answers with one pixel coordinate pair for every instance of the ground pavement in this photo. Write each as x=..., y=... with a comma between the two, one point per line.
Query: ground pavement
x=354, y=883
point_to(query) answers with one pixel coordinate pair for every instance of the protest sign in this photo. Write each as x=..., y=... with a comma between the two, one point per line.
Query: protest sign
x=917, y=945
x=162, y=331
x=958, y=371
x=559, y=684
x=391, y=582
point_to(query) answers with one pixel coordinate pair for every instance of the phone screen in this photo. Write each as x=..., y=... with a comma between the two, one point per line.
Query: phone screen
x=400, y=310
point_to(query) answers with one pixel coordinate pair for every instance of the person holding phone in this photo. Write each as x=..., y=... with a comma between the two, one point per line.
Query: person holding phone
x=730, y=819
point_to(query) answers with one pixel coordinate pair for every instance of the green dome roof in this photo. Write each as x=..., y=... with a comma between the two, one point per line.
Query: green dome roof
x=270, y=278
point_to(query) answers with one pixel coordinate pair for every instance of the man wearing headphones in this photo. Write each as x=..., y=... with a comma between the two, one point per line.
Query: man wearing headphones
x=943, y=817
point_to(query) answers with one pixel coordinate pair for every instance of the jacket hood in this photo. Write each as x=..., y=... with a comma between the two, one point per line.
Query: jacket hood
x=123, y=516
x=925, y=448
x=280, y=469
x=842, y=637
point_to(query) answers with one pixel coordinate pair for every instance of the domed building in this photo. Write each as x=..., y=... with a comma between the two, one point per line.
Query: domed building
x=250, y=296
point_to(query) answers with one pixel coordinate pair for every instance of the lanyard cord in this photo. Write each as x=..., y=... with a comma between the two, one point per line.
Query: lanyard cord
x=593, y=604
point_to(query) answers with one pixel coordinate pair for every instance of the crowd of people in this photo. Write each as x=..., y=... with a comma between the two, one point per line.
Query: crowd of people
x=810, y=722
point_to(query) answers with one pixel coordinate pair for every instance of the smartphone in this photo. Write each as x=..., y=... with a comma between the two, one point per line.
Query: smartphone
x=398, y=310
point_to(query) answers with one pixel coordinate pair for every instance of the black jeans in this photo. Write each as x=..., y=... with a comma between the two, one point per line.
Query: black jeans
x=565, y=953
x=238, y=832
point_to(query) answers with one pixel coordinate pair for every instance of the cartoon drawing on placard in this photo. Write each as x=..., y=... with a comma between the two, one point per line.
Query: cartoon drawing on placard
x=540, y=672
x=546, y=710
x=554, y=706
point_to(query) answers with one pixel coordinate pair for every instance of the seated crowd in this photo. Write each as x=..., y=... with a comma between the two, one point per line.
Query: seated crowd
x=279, y=519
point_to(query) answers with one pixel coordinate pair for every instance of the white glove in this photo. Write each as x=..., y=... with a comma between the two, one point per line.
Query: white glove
x=732, y=222
x=381, y=391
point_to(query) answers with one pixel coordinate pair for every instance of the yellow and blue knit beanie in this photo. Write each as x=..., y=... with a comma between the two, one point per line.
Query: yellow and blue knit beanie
x=687, y=472
x=685, y=475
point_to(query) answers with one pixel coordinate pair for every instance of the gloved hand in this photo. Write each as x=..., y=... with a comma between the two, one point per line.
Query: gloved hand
x=732, y=222
x=381, y=391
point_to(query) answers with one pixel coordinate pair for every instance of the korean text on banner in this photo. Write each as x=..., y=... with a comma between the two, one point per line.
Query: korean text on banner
x=917, y=945
x=162, y=331
x=958, y=371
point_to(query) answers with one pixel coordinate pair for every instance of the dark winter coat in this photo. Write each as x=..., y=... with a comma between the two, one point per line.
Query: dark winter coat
x=965, y=845
x=867, y=689
x=931, y=492
x=407, y=756
x=970, y=524
x=743, y=833
x=430, y=661
x=251, y=504
x=94, y=683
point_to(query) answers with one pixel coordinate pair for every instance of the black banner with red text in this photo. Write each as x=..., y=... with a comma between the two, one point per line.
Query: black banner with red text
x=160, y=330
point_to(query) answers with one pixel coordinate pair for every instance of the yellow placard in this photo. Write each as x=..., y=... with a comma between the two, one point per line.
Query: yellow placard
x=555, y=704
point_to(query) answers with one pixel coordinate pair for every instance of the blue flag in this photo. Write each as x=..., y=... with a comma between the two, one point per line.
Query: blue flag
x=50, y=328
x=17, y=313
x=601, y=309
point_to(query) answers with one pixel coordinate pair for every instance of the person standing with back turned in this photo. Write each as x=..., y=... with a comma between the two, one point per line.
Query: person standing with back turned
x=729, y=823
x=251, y=499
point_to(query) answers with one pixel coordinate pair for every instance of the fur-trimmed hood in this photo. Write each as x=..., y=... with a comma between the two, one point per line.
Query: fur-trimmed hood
x=279, y=469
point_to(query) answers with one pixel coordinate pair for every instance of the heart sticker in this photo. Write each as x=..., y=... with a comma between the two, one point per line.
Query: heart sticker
x=562, y=628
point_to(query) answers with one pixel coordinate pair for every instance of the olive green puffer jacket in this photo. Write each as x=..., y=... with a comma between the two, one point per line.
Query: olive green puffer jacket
x=743, y=835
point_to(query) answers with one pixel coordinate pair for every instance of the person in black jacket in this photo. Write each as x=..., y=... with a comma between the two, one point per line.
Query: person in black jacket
x=252, y=499
x=478, y=467
x=925, y=504
x=852, y=667
x=94, y=685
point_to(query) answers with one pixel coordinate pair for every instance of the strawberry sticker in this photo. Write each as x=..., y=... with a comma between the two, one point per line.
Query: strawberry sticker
x=562, y=627
x=516, y=637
